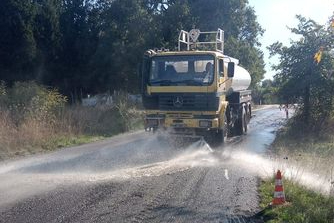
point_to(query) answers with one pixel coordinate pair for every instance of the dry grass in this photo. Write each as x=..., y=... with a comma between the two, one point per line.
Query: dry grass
x=34, y=118
x=74, y=124
x=307, y=151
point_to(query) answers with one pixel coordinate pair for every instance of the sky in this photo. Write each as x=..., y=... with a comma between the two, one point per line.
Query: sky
x=275, y=15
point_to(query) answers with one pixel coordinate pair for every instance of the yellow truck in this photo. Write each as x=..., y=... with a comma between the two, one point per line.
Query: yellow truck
x=196, y=91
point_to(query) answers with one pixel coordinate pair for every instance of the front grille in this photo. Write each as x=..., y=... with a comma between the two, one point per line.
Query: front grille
x=195, y=102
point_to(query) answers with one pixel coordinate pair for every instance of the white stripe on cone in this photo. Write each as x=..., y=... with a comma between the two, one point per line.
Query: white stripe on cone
x=278, y=182
x=279, y=194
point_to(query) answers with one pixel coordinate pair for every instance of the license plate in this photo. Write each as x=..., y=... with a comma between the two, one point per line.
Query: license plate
x=178, y=125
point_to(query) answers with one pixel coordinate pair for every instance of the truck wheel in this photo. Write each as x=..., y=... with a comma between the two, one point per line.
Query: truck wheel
x=241, y=124
x=244, y=123
x=224, y=131
x=250, y=111
x=220, y=136
x=223, y=136
x=214, y=138
x=211, y=138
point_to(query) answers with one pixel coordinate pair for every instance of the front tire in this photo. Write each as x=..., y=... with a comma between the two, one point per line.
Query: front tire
x=224, y=131
x=219, y=137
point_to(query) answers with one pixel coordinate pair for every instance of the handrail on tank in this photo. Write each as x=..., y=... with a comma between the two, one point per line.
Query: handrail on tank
x=190, y=39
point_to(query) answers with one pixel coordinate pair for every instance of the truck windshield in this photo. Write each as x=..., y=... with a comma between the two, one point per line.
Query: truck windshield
x=194, y=70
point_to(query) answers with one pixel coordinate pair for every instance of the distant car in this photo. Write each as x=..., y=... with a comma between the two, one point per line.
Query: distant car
x=135, y=98
x=98, y=100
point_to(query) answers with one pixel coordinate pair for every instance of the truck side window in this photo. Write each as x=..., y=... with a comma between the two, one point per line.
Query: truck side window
x=221, y=68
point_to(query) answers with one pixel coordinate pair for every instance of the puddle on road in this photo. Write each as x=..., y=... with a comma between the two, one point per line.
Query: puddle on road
x=144, y=158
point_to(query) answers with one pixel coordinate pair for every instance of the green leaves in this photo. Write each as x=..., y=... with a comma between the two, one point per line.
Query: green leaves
x=305, y=69
x=93, y=46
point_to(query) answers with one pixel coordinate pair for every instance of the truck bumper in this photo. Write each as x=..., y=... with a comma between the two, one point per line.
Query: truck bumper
x=184, y=123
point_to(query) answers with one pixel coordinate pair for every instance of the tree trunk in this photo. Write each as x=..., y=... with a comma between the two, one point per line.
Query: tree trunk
x=307, y=104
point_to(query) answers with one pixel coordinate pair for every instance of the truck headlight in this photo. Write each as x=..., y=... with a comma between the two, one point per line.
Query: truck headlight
x=205, y=123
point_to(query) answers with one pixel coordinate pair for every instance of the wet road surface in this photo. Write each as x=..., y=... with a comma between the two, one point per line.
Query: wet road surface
x=138, y=177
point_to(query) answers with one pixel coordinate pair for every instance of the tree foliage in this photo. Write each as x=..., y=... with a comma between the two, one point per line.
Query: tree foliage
x=266, y=93
x=92, y=46
x=303, y=79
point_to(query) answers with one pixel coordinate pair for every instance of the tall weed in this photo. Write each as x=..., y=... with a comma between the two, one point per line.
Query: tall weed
x=34, y=118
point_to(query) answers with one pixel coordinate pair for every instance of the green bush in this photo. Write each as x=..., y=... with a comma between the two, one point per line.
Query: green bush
x=30, y=100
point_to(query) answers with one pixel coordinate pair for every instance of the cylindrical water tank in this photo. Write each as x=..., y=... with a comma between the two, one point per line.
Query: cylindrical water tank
x=240, y=81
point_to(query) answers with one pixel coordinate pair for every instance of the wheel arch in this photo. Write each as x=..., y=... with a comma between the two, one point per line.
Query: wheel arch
x=222, y=111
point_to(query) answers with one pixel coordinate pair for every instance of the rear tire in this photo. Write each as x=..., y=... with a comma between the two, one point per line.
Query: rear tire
x=241, y=123
x=244, y=123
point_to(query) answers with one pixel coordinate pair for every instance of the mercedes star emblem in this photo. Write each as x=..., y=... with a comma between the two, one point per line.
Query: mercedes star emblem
x=178, y=101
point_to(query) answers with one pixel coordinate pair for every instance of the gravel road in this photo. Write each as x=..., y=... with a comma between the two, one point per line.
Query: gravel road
x=139, y=177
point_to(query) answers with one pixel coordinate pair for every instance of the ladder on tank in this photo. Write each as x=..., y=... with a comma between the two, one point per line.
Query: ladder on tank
x=195, y=38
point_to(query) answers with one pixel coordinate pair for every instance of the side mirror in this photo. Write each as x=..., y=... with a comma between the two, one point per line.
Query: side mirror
x=230, y=69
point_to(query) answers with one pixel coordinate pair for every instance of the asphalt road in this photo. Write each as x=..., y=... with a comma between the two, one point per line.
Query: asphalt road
x=139, y=177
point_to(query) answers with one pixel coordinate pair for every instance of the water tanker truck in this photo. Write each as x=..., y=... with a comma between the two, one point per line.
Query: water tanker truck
x=196, y=91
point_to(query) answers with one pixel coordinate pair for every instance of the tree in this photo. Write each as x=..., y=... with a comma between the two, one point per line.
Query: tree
x=18, y=48
x=94, y=46
x=47, y=36
x=241, y=31
x=79, y=29
x=300, y=77
x=127, y=31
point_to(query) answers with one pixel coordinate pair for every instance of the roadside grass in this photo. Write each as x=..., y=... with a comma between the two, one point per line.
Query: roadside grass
x=76, y=125
x=313, y=151
x=35, y=119
x=47, y=145
x=307, y=150
x=65, y=141
x=303, y=205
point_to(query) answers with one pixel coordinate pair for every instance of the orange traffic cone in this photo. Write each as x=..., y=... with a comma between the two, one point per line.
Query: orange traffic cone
x=279, y=196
